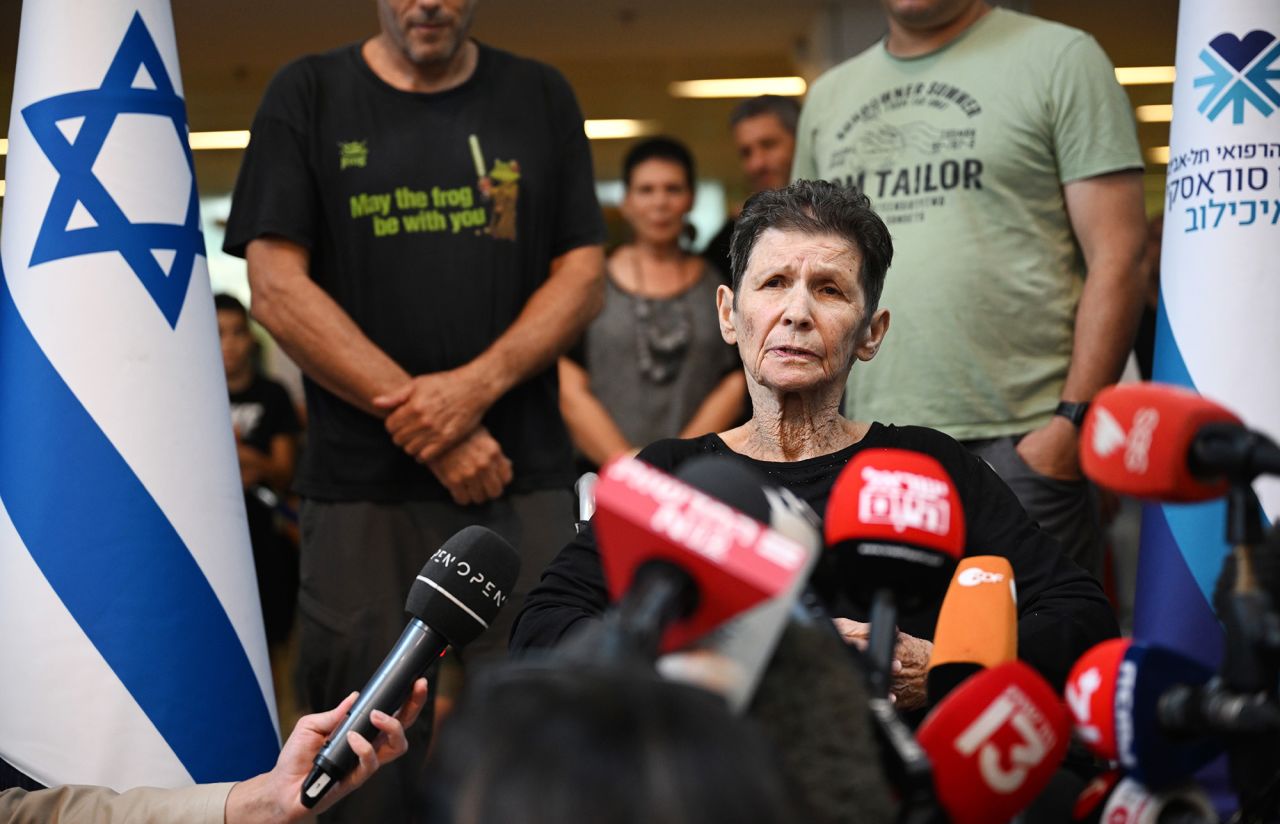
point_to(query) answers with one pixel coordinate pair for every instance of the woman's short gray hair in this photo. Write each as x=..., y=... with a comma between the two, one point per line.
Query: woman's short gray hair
x=820, y=208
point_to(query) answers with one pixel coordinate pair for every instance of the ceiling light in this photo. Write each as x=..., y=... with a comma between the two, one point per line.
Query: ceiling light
x=1, y=188
x=1144, y=75
x=1158, y=113
x=618, y=129
x=739, y=87
x=4, y=145
x=219, y=140
x=1159, y=155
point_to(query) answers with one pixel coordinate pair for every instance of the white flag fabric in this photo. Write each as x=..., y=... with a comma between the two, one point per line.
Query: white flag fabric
x=1217, y=327
x=130, y=629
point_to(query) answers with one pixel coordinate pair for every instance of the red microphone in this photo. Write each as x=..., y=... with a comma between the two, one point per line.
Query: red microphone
x=894, y=520
x=680, y=562
x=895, y=528
x=995, y=742
x=1094, y=797
x=1165, y=443
x=1132, y=803
x=977, y=625
x=1118, y=694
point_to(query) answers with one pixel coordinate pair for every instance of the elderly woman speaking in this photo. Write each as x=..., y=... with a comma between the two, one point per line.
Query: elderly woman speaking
x=809, y=262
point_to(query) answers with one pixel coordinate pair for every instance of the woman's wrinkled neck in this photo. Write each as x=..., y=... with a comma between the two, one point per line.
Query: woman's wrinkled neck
x=794, y=426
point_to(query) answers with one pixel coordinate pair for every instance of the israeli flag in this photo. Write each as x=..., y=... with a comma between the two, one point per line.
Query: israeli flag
x=130, y=634
x=1217, y=327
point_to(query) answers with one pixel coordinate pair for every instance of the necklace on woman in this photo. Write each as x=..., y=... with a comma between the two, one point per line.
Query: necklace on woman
x=663, y=332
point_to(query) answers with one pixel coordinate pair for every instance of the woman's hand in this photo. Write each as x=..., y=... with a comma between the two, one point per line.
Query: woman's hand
x=910, y=661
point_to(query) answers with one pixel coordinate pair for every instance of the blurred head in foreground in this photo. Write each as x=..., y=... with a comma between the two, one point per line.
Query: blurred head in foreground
x=530, y=744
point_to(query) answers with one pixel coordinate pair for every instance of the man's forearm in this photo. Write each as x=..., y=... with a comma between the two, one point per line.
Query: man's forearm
x=550, y=322
x=314, y=330
x=1106, y=321
x=1107, y=216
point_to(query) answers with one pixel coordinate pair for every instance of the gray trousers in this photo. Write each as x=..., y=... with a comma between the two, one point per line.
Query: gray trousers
x=358, y=561
x=1067, y=510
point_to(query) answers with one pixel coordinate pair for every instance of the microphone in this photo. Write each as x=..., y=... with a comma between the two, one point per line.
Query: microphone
x=977, y=625
x=585, y=489
x=453, y=600
x=1114, y=693
x=1132, y=803
x=679, y=562
x=995, y=742
x=812, y=707
x=895, y=528
x=740, y=649
x=1169, y=444
x=1094, y=797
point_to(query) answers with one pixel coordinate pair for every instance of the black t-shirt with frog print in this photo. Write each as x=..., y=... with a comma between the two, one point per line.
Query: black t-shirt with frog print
x=430, y=219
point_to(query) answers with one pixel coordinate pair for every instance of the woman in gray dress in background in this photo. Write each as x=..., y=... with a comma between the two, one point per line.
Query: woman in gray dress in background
x=653, y=364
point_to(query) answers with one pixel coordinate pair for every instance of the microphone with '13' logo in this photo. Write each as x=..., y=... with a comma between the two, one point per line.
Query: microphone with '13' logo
x=995, y=742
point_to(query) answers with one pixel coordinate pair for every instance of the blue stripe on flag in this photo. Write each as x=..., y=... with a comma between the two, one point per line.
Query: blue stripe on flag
x=1198, y=529
x=122, y=570
x=1171, y=610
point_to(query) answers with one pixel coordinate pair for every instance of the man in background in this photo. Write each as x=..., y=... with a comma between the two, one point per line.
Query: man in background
x=419, y=218
x=1003, y=156
x=266, y=428
x=764, y=133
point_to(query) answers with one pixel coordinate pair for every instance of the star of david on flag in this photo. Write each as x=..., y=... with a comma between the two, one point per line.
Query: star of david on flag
x=81, y=195
x=129, y=615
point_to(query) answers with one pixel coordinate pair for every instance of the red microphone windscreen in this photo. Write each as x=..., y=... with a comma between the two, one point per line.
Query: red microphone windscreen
x=1091, y=693
x=1114, y=692
x=995, y=742
x=643, y=514
x=977, y=625
x=1137, y=437
x=894, y=518
x=1089, y=804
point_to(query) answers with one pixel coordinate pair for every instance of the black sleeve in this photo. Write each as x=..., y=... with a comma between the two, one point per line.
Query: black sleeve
x=579, y=221
x=1062, y=610
x=276, y=192
x=279, y=416
x=572, y=589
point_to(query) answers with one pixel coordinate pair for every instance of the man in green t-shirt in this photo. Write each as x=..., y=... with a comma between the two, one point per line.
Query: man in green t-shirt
x=1002, y=154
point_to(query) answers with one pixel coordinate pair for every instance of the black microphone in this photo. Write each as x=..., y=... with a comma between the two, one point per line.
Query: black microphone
x=454, y=599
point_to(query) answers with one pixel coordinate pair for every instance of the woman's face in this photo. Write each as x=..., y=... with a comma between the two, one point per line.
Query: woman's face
x=799, y=319
x=657, y=199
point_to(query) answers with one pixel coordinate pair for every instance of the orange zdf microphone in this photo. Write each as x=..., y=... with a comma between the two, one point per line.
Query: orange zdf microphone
x=895, y=529
x=1169, y=444
x=679, y=562
x=977, y=626
x=995, y=742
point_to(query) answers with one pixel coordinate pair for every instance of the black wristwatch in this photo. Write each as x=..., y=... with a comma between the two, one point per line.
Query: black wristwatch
x=1073, y=411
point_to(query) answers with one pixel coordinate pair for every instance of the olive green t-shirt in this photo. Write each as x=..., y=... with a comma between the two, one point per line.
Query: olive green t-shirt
x=964, y=152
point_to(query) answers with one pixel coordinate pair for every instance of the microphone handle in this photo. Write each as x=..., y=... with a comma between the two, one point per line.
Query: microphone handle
x=882, y=640
x=660, y=594
x=387, y=690
x=1183, y=815
x=1216, y=711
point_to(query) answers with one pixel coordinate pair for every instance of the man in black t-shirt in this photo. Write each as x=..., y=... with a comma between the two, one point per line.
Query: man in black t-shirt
x=419, y=218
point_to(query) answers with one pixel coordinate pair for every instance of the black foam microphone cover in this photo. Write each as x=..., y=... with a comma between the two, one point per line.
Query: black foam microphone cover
x=463, y=584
